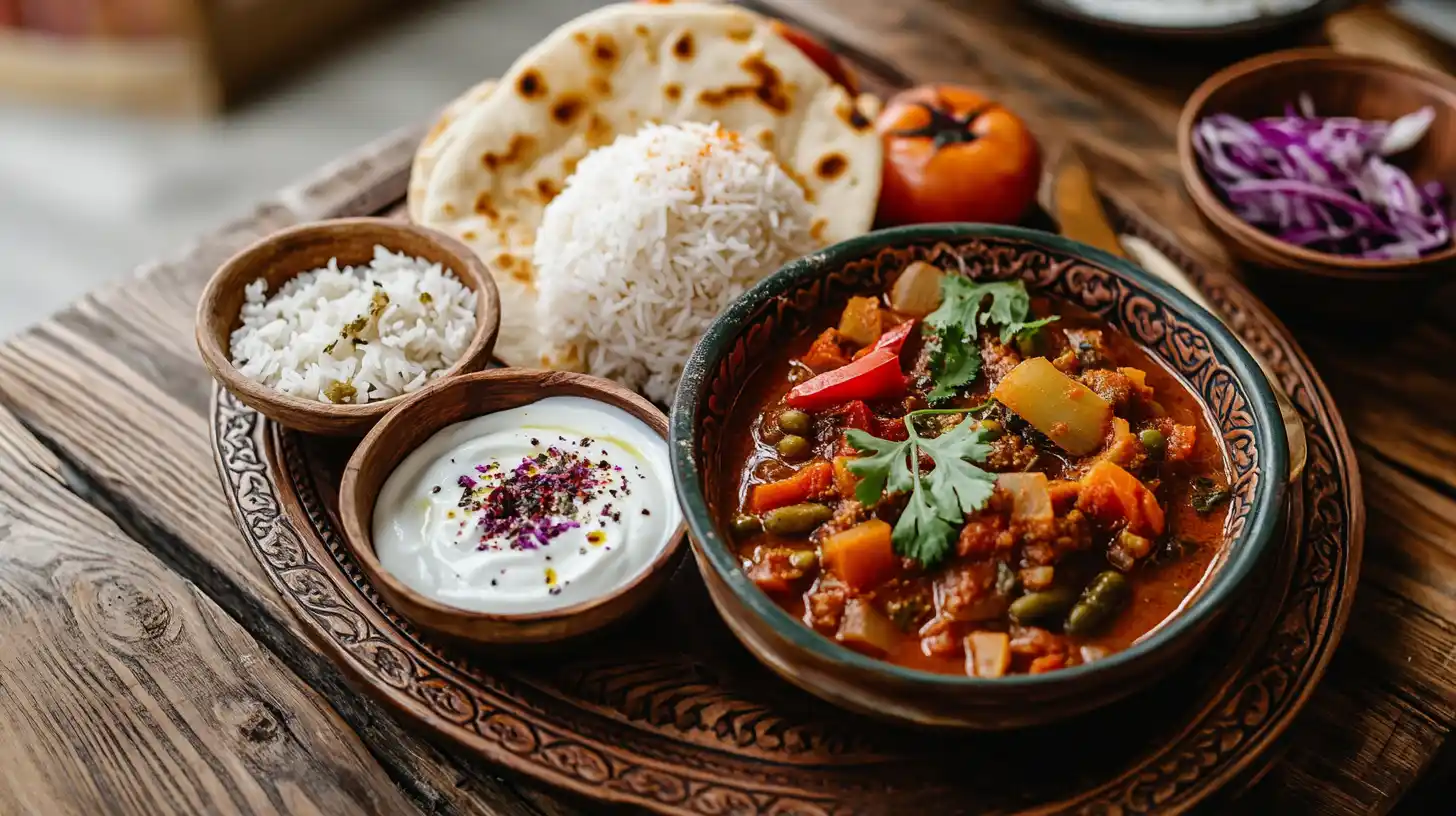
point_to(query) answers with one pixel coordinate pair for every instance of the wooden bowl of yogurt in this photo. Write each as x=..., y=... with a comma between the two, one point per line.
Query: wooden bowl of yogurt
x=515, y=506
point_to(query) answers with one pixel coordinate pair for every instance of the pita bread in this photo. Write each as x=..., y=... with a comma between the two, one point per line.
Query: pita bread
x=437, y=138
x=609, y=73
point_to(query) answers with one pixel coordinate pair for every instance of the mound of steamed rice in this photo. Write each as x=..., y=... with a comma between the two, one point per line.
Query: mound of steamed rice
x=651, y=238
x=357, y=334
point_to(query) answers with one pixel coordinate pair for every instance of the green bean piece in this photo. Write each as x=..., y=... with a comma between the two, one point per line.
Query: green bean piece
x=992, y=429
x=1103, y=598
x=796, y=519
x=746, y=525
x=1047, y=605
x=795, y=422
x=1152, y=439
x=793, y=446
x=803, y=559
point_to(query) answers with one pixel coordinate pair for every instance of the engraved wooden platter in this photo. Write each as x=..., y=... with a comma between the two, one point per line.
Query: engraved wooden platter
x=670, y=713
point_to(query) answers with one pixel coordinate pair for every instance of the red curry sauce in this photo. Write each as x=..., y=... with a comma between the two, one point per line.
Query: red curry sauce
x=939, y=616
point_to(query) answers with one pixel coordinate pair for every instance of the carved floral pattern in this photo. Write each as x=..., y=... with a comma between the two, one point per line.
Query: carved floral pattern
x=644, y=730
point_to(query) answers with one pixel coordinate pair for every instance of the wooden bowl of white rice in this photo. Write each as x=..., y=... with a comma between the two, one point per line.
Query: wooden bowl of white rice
x=325, y=327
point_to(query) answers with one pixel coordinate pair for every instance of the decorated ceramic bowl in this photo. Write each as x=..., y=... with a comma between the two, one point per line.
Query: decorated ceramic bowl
x=1194, y=345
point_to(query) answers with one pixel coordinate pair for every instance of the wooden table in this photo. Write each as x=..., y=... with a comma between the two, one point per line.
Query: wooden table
x=147, y=667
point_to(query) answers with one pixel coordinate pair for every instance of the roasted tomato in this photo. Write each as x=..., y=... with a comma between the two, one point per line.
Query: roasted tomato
x=818, y=53
x=953, y=155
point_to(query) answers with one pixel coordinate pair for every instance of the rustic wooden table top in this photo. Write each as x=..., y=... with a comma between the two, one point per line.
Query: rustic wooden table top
x=147, y=666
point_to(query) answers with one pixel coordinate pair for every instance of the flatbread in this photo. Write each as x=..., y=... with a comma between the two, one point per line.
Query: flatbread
x=609, y=73
x=437, y=138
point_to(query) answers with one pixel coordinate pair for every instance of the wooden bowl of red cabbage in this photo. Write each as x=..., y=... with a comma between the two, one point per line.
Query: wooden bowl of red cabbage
x=1330, y=176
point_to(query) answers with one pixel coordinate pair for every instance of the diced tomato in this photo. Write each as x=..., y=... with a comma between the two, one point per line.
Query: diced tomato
x=891, y=429
x=825, y=354
x=872, y=377
x=855, y=415
x=808, y=482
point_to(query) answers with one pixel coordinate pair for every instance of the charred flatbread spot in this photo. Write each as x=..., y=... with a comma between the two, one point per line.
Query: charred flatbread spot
x=484, y=206
x=640, y=30
x=604, y=51
x=520, y=145
x=567, y=108
x=766, y=138
x=850, y=114
x=546, y=189
x=581, y=37
x=469, y=235
x=447, y=209
x=600, y=85
x=672, y=91
x=683, y=48
x=531, y=84
x=831, y=166
x=522, y=273
x=816, y=229
x=505, y=261
x=568, y=165
x=740, y=34
x=598, y=132
x=767, y=87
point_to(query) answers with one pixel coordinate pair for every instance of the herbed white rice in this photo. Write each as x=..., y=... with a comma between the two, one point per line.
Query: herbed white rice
x=358, y=334
x=652, y=237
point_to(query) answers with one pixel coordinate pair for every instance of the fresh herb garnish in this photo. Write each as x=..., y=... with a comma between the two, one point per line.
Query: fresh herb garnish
x=938, y=499
x=1207, y=494
x=965, y=307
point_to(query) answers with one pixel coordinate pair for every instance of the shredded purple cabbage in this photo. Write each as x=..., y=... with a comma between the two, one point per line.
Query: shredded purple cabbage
x=1324, y=183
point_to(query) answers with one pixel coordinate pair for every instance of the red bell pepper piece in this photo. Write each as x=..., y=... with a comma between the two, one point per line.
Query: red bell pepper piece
x=894, y=339
x=873, y=376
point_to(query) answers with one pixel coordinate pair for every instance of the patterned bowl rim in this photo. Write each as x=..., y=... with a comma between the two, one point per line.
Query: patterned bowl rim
x=1246, y=549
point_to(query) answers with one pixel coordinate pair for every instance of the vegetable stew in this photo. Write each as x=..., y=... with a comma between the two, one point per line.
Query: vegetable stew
x=960, y=477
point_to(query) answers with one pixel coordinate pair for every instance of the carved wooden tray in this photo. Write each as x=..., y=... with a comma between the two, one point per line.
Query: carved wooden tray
x=671, y=713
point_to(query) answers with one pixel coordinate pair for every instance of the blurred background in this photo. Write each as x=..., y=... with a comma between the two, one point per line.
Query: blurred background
x=128, y=127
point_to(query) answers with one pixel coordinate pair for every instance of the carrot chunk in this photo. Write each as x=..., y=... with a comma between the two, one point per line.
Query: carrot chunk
x=807, y=482
x=861, y=556
x=1111, y=495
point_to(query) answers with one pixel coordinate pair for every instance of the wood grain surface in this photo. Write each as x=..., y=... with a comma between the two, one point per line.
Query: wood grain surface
x=126, y=688
x=109, y=487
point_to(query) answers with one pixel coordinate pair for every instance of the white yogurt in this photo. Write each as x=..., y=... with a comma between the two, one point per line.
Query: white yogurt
x=445, y=526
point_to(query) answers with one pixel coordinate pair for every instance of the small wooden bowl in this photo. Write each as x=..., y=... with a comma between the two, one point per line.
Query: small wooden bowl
x=1305, y=281
x=292, y=251
x=455, y=400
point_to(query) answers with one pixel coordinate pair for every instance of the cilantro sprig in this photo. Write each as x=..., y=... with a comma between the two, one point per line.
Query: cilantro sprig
x=940, y=499
x=965, y=307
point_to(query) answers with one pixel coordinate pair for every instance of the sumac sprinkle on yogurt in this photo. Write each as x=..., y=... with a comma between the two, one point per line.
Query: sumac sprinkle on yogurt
x=520, y=527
